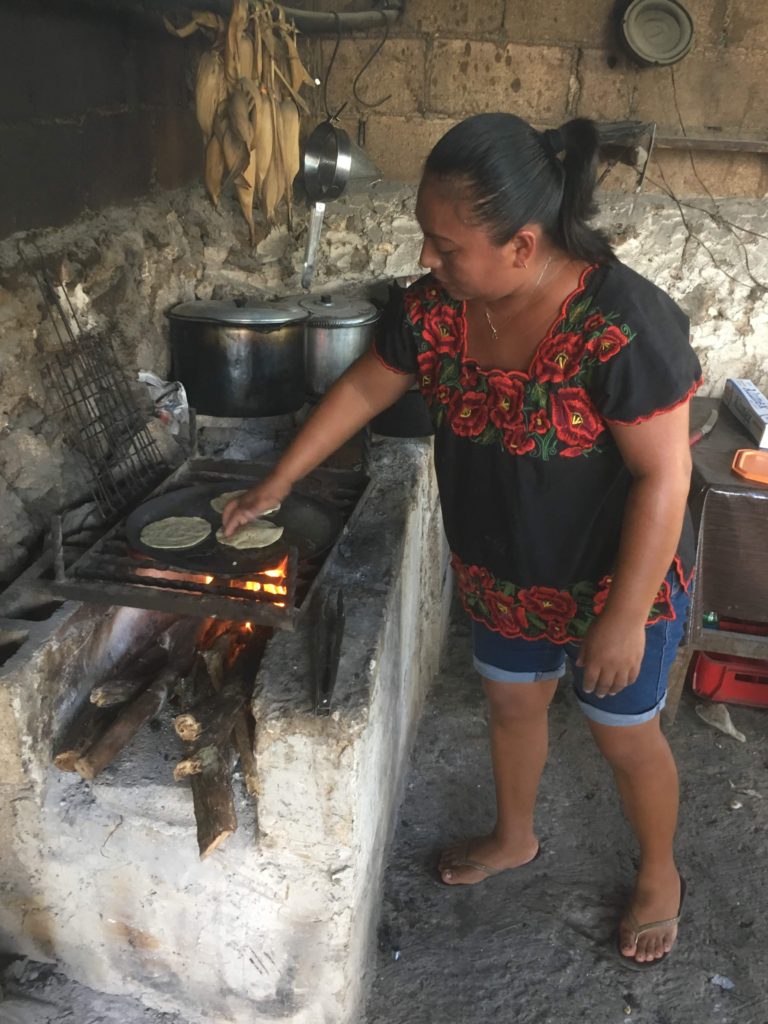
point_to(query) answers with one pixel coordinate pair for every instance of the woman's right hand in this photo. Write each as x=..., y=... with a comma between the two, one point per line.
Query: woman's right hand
x=249, y=506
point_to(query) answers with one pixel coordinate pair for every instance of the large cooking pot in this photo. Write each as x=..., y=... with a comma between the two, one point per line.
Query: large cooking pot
x=339, y=330
x=239, y=359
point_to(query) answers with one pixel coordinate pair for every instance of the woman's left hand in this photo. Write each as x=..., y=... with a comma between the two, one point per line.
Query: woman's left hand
x=611, y=654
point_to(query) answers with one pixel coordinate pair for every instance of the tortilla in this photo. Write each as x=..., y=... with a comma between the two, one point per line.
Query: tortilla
x=221, y=500
x=258, y=534
x=175, y=532
x=218, y=504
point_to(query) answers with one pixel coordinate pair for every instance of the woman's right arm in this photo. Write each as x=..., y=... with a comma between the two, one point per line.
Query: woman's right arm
x=365, y=390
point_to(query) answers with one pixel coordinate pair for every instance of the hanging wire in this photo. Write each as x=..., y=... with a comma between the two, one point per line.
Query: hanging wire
x=328, y=114
x=717, y=216
x=364, y=68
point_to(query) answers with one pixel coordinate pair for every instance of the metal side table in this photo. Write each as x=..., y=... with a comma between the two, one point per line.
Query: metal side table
x=730, y=515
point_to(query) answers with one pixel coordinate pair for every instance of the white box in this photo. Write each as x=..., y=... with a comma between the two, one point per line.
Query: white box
x=750, y=407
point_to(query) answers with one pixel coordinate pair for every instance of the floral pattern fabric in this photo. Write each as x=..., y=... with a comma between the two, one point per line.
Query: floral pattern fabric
x=545, y=412
x=541, y=613
x=532, y=483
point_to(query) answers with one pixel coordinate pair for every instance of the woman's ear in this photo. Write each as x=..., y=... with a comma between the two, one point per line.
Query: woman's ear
x=522, y=246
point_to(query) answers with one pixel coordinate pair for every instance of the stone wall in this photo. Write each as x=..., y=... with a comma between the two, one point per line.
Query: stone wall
x=126, y=267
x=548, y=62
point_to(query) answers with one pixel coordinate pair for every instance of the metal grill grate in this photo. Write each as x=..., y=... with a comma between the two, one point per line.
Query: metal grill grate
x=103, y=422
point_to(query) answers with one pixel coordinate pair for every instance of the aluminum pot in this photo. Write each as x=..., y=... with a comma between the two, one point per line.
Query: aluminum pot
x=239, y=359
x=339, y=330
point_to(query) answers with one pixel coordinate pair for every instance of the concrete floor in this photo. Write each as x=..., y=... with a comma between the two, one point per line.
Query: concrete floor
x=535, y=947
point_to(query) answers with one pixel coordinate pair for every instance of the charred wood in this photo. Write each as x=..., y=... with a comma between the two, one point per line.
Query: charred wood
x=88, y=725
x=125, y=726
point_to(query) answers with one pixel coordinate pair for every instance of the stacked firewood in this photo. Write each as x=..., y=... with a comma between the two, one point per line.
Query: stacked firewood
x=207, y=690
x=248, y=103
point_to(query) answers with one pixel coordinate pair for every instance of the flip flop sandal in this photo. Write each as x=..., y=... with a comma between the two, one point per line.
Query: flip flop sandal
x=629, y=962
x=465, y=861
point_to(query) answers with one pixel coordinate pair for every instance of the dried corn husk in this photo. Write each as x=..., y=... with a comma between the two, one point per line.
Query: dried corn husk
x=215, y=168
x=210, y=90
x=200, y=19
x=297, y=73
x=239, y=106
x=263, y=138
x=236, y=28
x=290, y=150
x=245, y=186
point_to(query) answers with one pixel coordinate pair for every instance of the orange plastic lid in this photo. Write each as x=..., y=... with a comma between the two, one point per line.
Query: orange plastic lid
x=751, y=464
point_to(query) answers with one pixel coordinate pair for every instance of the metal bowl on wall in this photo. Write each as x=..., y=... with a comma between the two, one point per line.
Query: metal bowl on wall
x=656, y=32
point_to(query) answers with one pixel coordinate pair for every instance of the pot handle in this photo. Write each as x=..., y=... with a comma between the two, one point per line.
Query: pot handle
x=313, y=240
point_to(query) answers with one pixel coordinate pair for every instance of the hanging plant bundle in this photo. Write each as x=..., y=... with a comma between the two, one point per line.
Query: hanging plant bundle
x=248, y=105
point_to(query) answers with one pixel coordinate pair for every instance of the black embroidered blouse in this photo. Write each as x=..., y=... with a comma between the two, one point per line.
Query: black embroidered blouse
x=532, y=484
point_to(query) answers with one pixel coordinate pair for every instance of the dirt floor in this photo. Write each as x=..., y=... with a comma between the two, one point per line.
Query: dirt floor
x=535, y=947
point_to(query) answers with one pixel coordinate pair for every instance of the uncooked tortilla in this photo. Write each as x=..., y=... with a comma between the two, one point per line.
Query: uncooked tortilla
x=258, y=534
x=175, y=532
x=218, y=504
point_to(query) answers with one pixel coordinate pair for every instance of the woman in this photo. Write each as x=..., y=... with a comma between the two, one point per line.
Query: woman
x=558, y=381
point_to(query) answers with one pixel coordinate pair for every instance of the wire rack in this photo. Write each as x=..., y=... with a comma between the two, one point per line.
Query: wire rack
x=102, y=420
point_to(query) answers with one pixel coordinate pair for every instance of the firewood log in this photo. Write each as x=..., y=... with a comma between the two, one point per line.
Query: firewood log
x=125, y=726
x=88, y=725
x=214, y=805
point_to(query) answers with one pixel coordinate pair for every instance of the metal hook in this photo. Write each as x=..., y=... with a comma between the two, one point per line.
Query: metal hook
x=328, y=114
x=364, y=68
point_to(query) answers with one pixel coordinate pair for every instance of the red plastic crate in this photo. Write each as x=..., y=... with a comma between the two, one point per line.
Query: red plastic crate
x=724, y=677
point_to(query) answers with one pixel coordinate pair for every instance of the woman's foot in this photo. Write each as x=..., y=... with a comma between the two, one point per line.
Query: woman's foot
x=476, y=859
x=657, y=897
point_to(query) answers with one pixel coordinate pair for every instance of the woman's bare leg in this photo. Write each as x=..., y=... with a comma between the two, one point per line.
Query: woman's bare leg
x=519, y=739
x=646, y=778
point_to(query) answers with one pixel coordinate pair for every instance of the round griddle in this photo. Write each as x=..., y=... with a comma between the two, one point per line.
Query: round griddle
x=309, y=525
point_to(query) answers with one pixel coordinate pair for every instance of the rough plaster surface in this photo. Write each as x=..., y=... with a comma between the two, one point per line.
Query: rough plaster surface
x=126, y=266
x=534, y=947
x=104, y=877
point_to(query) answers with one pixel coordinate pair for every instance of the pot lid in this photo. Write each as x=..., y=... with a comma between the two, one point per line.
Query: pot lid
x=339, y=311
x=657, y=31
x=239, y=314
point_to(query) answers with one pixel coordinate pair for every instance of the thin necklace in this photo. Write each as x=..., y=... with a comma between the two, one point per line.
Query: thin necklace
x=495, y=330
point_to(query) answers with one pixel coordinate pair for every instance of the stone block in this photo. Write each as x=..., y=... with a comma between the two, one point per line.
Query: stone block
x=711, y=88
x=399, y=145
x=399, y=72
x=120, y=157
x=605, y=93
x=42, y=169
x=465, y=18
x=559, y=22
x=718, y=174
x=470, y=78
x=747, y=25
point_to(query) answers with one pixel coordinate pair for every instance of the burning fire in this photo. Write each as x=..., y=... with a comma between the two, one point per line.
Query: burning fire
x=277, y=589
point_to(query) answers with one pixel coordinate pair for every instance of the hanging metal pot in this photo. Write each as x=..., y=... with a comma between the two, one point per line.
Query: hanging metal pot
x=331, y=162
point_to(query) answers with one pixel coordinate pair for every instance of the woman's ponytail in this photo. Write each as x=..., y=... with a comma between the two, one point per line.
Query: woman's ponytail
x=580, y=142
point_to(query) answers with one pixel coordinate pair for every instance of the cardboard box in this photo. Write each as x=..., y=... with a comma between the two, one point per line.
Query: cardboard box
x=750, y=407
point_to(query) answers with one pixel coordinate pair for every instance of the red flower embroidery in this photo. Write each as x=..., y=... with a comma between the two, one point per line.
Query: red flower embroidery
x=662, y=603
x=413, y=305
x=593, y=323
x=429, y=371
x=506, y=395
x=469, y=378
x=517, y=440
x=539, y=422
x=445, y=394
x=603, y=590
x=507, y=616
x=575, y=420
x=469, y=413
x=606, y=345
x=558, y=358
x=439, y=329
x=549, y=604
x=471, y=578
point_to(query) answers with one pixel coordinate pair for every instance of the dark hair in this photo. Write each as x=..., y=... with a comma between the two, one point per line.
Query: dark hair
x=513, y=176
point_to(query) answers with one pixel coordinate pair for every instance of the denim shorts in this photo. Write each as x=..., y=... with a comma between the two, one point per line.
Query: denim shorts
x=517, y=660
